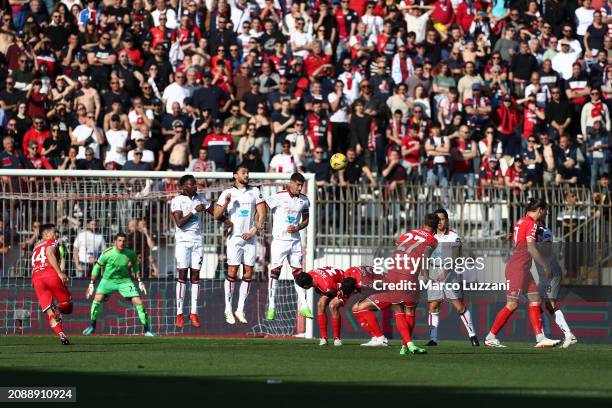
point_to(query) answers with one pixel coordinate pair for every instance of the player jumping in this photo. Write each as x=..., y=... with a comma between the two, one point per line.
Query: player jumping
x=48, y=280
x=187, y=209
x=549, y=286
x=449, y=247
x=518, y=273
x=247, y=212
x=290, y=215
x=416, y=244
x=117, y=261
x=334, y=287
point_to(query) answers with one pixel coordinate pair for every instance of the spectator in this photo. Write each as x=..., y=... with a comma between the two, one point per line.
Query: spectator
x=10, y=158
x=116, y=138
x=236, y=125
x=558, y=114
x=354, y=170
x=220, y=147
x=177, y=148
x=90, y=162
x=252, y=161
x=463, y=153
x=568, y=162
x=140, y=140
x=88, y=245
x=516, y=178
x=202, y=163
x=594, y=111
x=598, y=152
x=394, y=173
x=37, y=133
x=284, y=161
x=282, y=123
x=136, y=163
x=437, y=149
x=35, y=159
x=70, y=162
x=88, y=134
x=56, y=146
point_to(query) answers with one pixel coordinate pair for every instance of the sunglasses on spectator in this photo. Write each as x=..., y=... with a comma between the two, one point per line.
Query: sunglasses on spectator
x=299, y=124
x=55, y=129
x=531, y=140
x=318, y=151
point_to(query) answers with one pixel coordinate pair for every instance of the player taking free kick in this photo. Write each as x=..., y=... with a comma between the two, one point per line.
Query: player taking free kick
x=518, y=273
x=335, y=287
x=187, y=209
x=48, y=280
x=247, y=212
x=290, y=215
x=117, y=261
x=415, y=244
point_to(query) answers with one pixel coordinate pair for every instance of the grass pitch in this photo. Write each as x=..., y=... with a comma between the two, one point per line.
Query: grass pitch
x=286, y=372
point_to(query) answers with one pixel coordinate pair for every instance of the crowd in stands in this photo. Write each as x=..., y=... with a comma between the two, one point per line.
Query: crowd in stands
x=470, y=92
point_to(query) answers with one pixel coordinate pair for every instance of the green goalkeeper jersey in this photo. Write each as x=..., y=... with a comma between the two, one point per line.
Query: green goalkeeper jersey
x=116, y=264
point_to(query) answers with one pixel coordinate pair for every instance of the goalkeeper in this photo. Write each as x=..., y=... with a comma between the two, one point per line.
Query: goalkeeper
x=116, y=262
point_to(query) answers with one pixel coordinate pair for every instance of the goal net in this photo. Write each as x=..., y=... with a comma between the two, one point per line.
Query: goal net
x=90, y=207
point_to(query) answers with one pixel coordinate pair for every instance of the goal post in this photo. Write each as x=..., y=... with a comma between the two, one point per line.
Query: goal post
x=29, y=196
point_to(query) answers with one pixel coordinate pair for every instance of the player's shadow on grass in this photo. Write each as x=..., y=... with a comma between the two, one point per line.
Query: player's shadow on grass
x=139, y=390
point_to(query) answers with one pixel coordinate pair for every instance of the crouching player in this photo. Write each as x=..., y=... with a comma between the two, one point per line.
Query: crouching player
x=48, y=280
x=415, y=244
x=117, y=261
x=549, y=285
x=335, y=287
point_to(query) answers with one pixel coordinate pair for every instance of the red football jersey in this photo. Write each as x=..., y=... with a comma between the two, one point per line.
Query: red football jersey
x=413, y=243
x=327, y=279
x=356, y=273
x=525, y=230
x=40, y=262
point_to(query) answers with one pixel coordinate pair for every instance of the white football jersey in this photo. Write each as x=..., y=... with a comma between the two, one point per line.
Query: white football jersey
x=241, y=209
x=447, y=243
x=287, y=210
x=192, y=230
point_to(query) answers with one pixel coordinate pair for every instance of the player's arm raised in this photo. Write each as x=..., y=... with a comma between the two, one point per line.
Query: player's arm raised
x=50, y=252
x=211, y=210
x=220, y=209
x=180, y=219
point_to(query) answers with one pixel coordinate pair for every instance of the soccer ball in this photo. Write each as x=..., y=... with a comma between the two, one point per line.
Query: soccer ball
x=338, y=161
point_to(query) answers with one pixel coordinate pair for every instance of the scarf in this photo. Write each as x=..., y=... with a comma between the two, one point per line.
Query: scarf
x=506, y=118
x=372, y=136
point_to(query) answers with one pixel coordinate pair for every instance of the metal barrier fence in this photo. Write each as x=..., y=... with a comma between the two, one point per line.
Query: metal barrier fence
x=348, y=220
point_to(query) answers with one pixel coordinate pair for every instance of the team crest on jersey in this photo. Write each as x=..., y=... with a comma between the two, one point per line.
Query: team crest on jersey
x=243, y=213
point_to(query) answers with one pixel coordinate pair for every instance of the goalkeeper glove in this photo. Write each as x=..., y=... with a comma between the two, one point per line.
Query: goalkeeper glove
x=90, y=290
x=142, y=287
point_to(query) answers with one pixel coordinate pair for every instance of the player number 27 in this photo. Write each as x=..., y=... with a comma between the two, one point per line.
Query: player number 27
x=412, y=240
